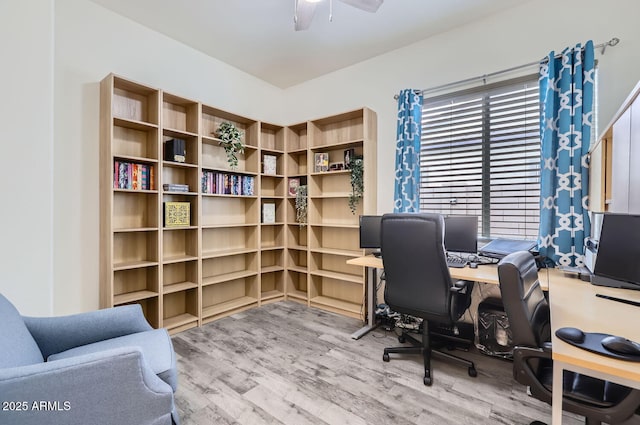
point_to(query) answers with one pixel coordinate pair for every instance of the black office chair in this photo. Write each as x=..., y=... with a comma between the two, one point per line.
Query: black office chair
x=418, y=281
x=529, y=318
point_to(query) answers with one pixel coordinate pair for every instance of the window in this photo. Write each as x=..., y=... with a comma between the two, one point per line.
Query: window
x=480, y=155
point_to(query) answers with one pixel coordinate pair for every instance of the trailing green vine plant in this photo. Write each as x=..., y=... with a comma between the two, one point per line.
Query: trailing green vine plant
x=356, y=166
x=301, y=205
x=231, y=140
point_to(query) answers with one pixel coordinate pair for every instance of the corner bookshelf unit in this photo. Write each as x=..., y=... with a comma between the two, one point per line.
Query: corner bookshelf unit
x=333, y=228
x=191, y=239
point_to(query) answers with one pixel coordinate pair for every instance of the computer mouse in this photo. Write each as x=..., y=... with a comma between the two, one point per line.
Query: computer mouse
x=620, y=345
x=570, y=335
x=473, y=265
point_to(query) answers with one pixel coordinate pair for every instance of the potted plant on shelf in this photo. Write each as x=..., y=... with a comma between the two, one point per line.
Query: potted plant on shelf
x=356, y=167
x=231, y=140
x=301, y=205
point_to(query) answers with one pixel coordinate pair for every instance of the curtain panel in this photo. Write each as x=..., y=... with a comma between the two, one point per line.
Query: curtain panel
x=566, y=121
x=408, y=129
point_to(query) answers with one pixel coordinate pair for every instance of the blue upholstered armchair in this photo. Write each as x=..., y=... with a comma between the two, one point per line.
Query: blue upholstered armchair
x=103, y=367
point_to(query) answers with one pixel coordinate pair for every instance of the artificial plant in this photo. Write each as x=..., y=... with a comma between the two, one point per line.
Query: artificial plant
x=231, y=140
x=356, y=166
x=301, y=205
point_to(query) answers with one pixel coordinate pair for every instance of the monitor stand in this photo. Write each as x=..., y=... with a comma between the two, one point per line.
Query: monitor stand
x=612, y=283
x=377, y=253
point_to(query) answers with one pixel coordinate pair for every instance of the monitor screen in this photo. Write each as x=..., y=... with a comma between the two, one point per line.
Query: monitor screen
x=619, y=248
x=461, y=233
x=370, y=231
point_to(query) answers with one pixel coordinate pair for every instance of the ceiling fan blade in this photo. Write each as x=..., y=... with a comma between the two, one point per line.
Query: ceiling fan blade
x=366, y=5
x=303, y=14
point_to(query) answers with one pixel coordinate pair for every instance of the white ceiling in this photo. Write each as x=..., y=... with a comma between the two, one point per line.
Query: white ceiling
x=257, y=36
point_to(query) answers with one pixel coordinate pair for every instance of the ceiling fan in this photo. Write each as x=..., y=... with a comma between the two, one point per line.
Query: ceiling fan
x=304, y=10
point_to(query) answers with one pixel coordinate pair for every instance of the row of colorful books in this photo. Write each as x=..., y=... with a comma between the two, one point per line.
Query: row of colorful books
x=130, y=175
x=227, y=183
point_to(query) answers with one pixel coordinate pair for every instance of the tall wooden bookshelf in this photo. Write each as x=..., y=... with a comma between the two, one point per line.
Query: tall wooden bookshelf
x=231, y=256
x=333, y=235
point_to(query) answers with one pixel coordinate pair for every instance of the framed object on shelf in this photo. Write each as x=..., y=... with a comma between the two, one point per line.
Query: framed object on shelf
x=177, y=214
x=348, y=156
x=321, y=162
x=269, y=212
x=269, y=165
x=294, y=183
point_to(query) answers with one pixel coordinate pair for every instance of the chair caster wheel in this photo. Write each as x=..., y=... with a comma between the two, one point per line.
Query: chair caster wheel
x=427, y=381
x=385, y=357
x=473, y=372
x=402, y=339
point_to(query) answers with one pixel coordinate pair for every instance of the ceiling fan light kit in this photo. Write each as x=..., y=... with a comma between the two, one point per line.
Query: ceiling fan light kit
x=305, y=9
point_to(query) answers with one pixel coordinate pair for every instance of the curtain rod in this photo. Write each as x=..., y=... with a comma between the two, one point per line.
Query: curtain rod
x=484, y=77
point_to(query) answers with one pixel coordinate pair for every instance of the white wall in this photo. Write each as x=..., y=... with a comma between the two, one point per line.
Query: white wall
x=50, y=250
x=90, y=43
x=26, y=134
x=516, y=36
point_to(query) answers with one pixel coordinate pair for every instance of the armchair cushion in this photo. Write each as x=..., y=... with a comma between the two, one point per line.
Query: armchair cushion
x=153, y=345
x=14, y=334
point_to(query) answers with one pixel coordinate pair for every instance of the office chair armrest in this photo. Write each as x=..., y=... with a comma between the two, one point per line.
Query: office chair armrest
x=461, y=286
x=522, y=370
x=546, y=346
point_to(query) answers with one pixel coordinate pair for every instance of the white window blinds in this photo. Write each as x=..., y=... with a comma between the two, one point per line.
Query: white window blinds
x=480, y=155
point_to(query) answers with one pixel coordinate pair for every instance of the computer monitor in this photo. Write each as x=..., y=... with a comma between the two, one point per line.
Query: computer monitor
x=617, y=262
x=370, y=232
x=461, y=233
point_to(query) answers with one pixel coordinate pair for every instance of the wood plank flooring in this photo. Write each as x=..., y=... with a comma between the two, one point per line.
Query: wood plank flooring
x=285, y=363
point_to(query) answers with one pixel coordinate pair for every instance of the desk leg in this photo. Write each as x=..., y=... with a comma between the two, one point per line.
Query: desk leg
x=556, y=401
x=371, y=305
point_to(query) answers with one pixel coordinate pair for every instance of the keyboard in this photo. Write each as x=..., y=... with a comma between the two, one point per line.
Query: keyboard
x=456, y=262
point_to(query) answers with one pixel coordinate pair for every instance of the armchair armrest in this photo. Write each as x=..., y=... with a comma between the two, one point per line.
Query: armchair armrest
x=100, y=388
x=57, y=334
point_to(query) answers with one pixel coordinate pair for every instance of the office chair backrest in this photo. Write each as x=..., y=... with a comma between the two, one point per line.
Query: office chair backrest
x=417, y=276
x=523, y=299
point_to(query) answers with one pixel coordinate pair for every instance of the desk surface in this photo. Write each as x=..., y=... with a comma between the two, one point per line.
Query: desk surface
x=573, y=303
x=487, y=273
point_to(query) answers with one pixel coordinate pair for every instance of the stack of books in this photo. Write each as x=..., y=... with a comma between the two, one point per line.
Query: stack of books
x=175, y=187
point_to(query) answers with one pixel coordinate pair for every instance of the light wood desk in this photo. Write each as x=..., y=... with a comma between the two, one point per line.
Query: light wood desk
x=573, y=303
x=486, y=273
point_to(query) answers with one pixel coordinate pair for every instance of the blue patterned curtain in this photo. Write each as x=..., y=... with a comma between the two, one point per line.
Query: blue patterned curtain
x=407, y=182
x=566, y=119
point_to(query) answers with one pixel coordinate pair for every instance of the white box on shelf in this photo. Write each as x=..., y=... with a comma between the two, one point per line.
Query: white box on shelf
x=269, y=212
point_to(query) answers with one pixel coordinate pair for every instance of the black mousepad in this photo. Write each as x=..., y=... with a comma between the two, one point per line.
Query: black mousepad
x=593, y=342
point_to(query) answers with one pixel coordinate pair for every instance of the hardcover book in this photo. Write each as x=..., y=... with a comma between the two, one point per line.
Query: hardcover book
x=247, y=185
x=175, y=150
x=177, y=214
x=269, y=163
